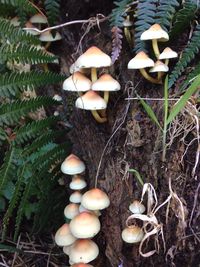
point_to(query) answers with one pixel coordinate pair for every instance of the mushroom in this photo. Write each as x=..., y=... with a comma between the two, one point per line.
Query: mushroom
x=132, y=234
x=77, y=82
x=83, y=209
x=159, y=67
x=127, y=25
x=48, y=37
x=137, y=207
x=64, y=237
x=72, y=165
x=38, y=19
x=29, y=27
x=77, y=183
x=75, y=197
x=95, y=199
x=85, y=225
x=142, y=61
x=92, y=101
x=71, y=210
x=155, y=33
x=83, y=250
x=66, y=249
x=168, y=53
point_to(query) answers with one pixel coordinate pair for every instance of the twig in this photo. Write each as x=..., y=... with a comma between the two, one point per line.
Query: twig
x=153, y=99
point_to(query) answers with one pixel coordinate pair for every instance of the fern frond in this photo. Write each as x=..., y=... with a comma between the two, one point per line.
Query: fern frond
x=183, y=18
x=23, y=53
x=195, y=71
x=12, y=112
x=10, y=33
x=116, y=43
x=23, y=4
x=145, y=17
x=52, y=8
x=165, y=13
x=12, y=83
x=33, y=129
x=188, y=55
x=118, y=13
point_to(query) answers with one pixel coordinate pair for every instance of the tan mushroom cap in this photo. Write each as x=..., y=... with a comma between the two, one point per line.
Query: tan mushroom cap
x=72, y=165
x=77, y=82
x=137, y=207
x=63, y=236
x=140, y=61
x=106, y=83
x=75, y=197
x=155, y=32
x=90, y=101
x=133, y=234
x=95, y=199
x=93, y=58
x=81, y=265
x=85, y=225
x=30, y=25
x=168, y=53
x=83, y=250
x=159, y=67
x=71, y=210
x=38, y=18
x=48, y=37
x=77, y=183
x=95, y=212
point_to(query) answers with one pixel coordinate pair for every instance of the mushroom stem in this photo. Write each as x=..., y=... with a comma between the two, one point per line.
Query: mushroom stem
x=167, y=61
x=45, y=66
x=127, y=34
x=155, y=48
x=47, y=45
x=93, y=74
x=148, y=77
x=106, y=96
x=97, y=116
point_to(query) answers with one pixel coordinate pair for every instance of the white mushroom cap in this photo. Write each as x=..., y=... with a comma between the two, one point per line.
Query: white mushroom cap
x=15, y=21
x=127, y=23
x=30, y=25
x=75, y=197
x=77, y=183
x=72, y=165
x=77, y=82
x=95, y=199
x=71, y=210
x=48, y=37
x=93, y=58
x=137, y=207
x=83, y=250
x=168, y=53
x=81, y=265
x=159, y=67
x=66, y=250
x=38, y=18
x=155, y=32
x=90, y=101
x=85, y=225
x=96, y=212
x=133, y=234
x=140, y=61
x=63, y=236
x=106, y=83
x=57, y=97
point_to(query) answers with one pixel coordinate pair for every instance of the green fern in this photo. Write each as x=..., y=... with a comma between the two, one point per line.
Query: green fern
x=194, y=72
x=23, y=4
x=188, y=55
x=10, y=113
x=145, y=17
x=165, y=13
x=12, y=83
x=52, y=8
x=23, y=53
x=119, y=12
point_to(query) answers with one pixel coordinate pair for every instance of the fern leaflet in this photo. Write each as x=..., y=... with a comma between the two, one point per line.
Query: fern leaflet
x=52, y=8
x=118, y=13
x=23, y=4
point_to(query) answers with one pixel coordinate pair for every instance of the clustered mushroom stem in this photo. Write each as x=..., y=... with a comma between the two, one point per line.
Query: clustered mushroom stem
x=106, y=96
x=93, y=74
x=128, y=35
x=160, y=74
x=47, y=45
x=97, y=117
x=148, y=77
x=167, y=61
x=155, y=48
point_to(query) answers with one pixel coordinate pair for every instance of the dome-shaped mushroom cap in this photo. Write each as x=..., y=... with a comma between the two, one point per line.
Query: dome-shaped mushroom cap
x=81, y=265
x=137, y=207
x=106, y=83
x=71, y=210
x=95, y=199
x=133, y=234
x=159, y=67
x=48, y=37
x=38, y=18
x=75, y=197
x=168, y=53
x=77, y=82
x=155, y=32
x=90, y=101
x=85, y=225
x=72, y=165
x=63, y=236
x=93, y=58
x=140, y=61
x=77, y=183
x=83, y=250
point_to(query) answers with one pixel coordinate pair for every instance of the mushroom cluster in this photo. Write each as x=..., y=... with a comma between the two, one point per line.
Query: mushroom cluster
x=82, y=215
x=141, y=61
x=89, y=62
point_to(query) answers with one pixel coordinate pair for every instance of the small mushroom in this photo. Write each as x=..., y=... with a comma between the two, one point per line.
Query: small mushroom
x=160, y=68
x=63, y=236
x=72, y=165
x=77, y=183
x=71, y=210
x=132, y=234
x=48, y=37
x=95, y=199
x=77, y=82
x=167, y=54
x=127, y=25
x=75, y=197
x=38, y=19
x=137, y=207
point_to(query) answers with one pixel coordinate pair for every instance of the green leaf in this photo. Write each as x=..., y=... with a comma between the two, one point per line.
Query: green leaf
x=138, y=176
